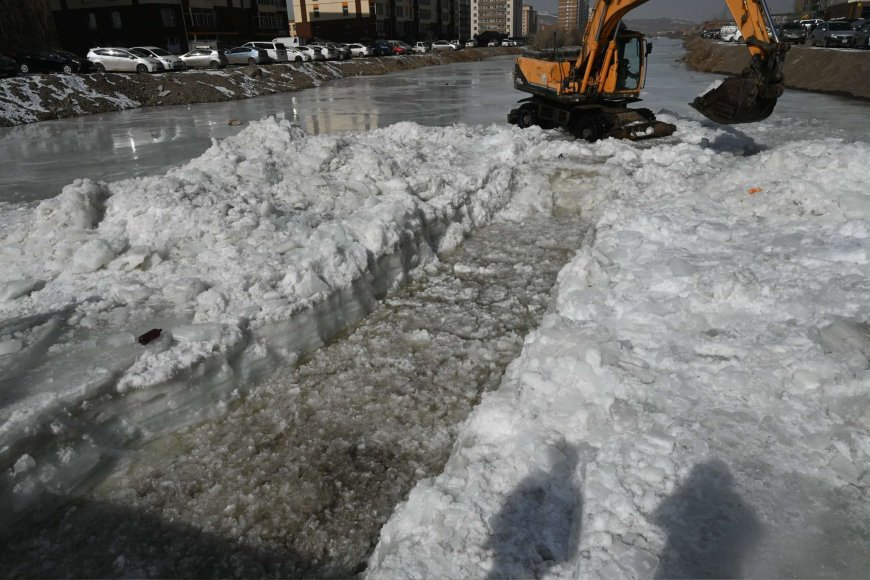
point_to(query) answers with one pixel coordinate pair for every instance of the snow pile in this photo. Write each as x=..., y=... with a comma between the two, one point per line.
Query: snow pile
x=696, y=403
x=261, y=249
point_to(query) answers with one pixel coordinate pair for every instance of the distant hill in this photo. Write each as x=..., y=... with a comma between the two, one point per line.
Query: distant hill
x=546, y=19
x=659, y=26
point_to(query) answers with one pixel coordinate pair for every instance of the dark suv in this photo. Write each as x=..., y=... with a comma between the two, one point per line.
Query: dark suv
x=793, y=32
x=832, y=33
x=381, y=48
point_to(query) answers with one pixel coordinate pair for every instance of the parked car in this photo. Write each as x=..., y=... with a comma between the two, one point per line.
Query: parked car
x=793, y=32
x=442, y=45
x=730, y=33
x=122, y=60
x=276, y=51
x=811, y=23
x=169, y=60
x=247, y=55
x=328, y=53
x=290, y=41
x=470, y=43
x=357, y=49
x=49, y=60
x=381, y=48
x=8, y=67
x=421, y=47
x=205, y=57
x=862, y=35
x=492, y=43
x=710, y=33
x=312, y=53
x=457, y=44
x=400, y=48
x=341, y=50
x=832, y=33
x=295, y=54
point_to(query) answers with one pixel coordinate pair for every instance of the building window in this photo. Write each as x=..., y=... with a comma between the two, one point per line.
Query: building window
x=92, y=21
x=400, y=12
x=202, y=18
x=317, y=10
x=268, y=20
x=167, y=15
x=116, y=19
x=344, y=10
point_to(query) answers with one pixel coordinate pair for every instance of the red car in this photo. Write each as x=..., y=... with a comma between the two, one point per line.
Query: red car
x=400, y=47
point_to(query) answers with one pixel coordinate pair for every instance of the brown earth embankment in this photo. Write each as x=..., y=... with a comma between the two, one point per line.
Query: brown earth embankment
x=826, y=70
x=32, y=98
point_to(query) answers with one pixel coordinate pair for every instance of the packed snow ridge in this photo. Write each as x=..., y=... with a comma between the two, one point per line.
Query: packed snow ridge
x=261, y=249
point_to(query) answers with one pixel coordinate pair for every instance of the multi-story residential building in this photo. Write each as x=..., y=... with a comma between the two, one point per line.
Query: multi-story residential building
x=355, y=20
x=502, y=16
x=171, y=24
x=573, y=15
x=464, y=7
x=530, y=21
x=339, y=20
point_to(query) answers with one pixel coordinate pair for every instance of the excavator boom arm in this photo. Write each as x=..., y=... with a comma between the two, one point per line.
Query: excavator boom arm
x=747, y=98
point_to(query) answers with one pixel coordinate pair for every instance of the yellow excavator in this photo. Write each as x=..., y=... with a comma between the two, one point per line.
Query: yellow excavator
x=589, y=96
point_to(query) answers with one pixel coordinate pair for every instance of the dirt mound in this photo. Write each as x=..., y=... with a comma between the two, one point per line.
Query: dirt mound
x=825, y=70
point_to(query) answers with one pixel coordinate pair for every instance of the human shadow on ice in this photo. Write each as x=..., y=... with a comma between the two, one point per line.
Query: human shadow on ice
x=710, y=528
x=536, y=527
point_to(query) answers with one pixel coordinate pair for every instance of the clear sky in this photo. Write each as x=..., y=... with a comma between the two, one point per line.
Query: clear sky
x=695, y=10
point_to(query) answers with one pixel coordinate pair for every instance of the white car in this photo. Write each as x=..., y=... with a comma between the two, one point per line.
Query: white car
x=314, y=54
x=342, y=50
x=442, y=45
x=327, y=52
x=421, y=47
x=297, y=55
x=358, y=49
x=492, y=43
x=730, y=33
x=122, y=60
x=169, y=60
x=276, y=51
x=471, y=43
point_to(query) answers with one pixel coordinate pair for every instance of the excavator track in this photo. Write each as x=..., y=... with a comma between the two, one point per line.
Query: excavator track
x=590, y=122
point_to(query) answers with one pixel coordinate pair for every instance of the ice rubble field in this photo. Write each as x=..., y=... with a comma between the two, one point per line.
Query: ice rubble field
x=697, y=396
x=696, y=403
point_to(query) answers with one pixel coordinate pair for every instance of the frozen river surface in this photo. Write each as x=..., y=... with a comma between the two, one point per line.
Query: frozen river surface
x=688, y=400
x=41, y=158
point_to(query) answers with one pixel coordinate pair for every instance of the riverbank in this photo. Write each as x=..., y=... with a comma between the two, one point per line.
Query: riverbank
x=825, y=70
x=33, y=98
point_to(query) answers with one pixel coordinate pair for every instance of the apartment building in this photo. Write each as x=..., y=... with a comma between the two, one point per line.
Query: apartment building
x=171, y=24
x=573, y=15
x=355, y=20
x=529, y=25
x=502, y=16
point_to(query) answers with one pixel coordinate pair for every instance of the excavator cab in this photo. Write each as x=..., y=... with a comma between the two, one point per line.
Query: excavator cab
x=626, y=72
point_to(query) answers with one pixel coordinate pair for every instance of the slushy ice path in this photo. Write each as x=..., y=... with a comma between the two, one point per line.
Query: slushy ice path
x=298, y=479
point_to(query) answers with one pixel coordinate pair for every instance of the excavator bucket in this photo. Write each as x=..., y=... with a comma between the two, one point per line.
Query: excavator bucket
x=736, y=100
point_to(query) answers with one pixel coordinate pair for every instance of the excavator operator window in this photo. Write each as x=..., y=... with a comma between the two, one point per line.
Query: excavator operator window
x=629, y=64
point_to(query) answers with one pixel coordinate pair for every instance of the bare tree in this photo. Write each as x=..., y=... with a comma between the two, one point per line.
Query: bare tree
x=555, y=37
